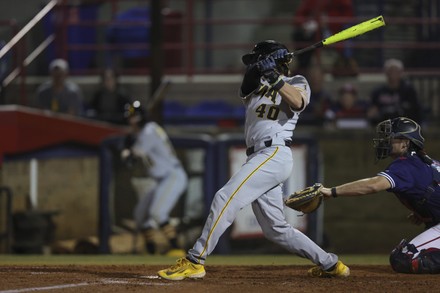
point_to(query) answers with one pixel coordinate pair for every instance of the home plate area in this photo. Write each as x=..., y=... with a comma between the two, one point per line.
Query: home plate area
x=219, y=278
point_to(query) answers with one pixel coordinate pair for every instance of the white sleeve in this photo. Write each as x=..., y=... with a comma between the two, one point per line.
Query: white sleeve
x=302, y=85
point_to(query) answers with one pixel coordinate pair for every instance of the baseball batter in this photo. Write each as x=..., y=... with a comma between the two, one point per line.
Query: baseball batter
x=152, y=211
x=273, y=102
x=415, y=179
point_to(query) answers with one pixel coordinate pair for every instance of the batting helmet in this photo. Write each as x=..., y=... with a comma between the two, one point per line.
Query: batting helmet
x=135, y=109
x=400, y=127
x=262, y=50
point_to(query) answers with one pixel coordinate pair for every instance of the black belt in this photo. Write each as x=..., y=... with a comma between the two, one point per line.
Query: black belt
x=267, y=143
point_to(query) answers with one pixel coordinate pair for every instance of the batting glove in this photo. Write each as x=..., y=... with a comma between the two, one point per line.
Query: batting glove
x=267, y=68
x=281, y=55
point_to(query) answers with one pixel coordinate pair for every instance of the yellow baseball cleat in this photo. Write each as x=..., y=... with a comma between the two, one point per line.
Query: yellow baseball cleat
x=340, y=271
x=183, y=269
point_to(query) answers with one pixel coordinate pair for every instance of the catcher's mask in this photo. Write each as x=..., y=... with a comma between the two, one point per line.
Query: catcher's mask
x=400, y=127
x=135, y=109
x=264, y=49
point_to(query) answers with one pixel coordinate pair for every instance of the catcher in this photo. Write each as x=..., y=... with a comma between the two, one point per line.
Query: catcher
x=413, y=177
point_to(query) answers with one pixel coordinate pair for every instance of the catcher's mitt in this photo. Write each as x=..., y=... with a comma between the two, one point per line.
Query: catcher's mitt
x=306, y=200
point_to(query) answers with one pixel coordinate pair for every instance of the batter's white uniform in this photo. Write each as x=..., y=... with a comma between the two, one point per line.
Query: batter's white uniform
x=154, y=208
x=270, y=123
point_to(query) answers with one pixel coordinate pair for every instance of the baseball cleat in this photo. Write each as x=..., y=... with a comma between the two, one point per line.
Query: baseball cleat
x=340, y=271
x=183, y=269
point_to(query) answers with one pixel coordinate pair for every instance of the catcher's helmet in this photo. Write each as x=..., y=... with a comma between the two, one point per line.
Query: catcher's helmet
x=135, y=109
x=400, y=127
x=262, y=50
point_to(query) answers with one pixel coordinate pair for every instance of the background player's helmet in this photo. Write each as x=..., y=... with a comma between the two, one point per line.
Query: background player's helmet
x=135, y=109
x=262, y=50
x=400, y=127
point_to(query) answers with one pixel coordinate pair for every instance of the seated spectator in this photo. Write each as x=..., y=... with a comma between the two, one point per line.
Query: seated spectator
x=109, y=100
x=315, y=20
x=59, y=94
x=348, y=111
x=320, y=98
x=396, y=98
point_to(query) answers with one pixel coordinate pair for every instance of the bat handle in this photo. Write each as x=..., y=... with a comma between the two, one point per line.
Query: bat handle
x=306, y=49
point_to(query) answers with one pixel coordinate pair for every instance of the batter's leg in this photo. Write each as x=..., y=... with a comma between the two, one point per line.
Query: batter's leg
x=260, y=173
x=270, y=215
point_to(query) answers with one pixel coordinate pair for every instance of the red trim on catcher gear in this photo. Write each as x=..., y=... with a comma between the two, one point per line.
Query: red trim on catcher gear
x=415, y=265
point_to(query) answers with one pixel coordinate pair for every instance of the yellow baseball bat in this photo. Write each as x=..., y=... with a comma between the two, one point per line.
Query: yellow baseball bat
x=346, y=34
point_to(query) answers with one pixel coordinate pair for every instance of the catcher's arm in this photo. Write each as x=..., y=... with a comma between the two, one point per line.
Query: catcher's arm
x=359, y=187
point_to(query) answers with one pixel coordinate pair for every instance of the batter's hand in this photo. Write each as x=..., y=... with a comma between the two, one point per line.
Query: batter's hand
x=267, y=68
x=128, y=158
x=281, y=56
x=267, y=64
x=125, y=153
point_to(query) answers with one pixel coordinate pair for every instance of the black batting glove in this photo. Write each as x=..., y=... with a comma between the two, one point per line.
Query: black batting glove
x=267, y=68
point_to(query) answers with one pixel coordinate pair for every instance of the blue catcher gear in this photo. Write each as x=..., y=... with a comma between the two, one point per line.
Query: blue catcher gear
x=401, y=257
x=400, y=127
x=426, y=262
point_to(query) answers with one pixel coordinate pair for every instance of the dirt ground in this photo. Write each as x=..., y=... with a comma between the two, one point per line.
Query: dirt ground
x=117, y=278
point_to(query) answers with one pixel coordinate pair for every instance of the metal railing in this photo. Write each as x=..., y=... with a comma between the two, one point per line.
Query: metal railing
x=22, y=61
x=199, y=47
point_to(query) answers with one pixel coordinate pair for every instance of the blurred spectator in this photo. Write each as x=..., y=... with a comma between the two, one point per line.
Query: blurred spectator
x=349, y=111
x=348, y=104
x=396, y=98
x=320, y=99
x=59, y=94
x=313, y=22
x=109, y=100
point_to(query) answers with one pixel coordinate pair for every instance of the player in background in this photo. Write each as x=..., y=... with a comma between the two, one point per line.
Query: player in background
x=273, y=101
x=149, y=142
x=414, y=178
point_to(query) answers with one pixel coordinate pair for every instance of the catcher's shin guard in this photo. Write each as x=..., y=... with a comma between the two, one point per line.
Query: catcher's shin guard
x=427, y=262
x=401, y=257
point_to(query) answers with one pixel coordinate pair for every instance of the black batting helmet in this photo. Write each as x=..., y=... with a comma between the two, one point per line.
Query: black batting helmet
x=400, y=127
x=262, y=50
x=135, y=109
